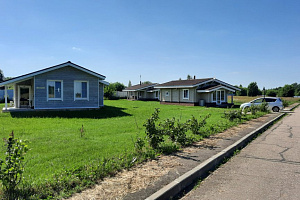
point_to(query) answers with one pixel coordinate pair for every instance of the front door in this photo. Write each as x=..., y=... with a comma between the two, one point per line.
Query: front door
x=24, y=94
x=218, y=97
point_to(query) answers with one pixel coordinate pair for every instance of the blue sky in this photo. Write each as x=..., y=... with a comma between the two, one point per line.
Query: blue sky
x=236, y=41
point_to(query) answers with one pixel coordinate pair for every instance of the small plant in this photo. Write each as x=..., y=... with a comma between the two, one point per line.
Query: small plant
x=263, y=107
x=82, y=131
x=12, y=168
x=233, y=115
x=195, y=125
x=153, y=133
x=253, y=109
x=175, y=130
x=139, y=144
x=285, y=103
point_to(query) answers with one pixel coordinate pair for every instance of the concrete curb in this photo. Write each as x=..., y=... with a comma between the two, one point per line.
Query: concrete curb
x=182, y=182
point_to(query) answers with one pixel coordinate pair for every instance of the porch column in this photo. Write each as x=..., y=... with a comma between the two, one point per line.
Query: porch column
x=15, y=95
x=5, y=97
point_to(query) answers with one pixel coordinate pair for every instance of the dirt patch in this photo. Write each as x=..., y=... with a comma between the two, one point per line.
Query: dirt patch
x=129, y=181
x=150, y=174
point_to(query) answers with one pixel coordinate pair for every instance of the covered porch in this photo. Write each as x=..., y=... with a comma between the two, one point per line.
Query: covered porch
x=23, y=95
x=216, y=96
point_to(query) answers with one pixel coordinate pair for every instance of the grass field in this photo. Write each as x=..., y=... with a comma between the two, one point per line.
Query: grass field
x=55, y=140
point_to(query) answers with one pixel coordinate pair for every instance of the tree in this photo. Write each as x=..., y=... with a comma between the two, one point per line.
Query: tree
x=147, y=82
x=287, y=91
x=129, y=84
x=243, y=91
x=2, y=78
x=272, y=93
x=297, y=89
x=189, y=77
x=109, y=91
x=118, y=86
x=253, y=89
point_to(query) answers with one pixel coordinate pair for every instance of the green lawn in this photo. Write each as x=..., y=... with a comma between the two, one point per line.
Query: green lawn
x=55, y=140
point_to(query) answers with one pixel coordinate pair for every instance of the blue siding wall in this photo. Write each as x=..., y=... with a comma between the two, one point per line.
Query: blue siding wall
x=10, y=94
x=67, y=75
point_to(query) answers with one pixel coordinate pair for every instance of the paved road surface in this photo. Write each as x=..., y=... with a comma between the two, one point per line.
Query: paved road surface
x=268, y=168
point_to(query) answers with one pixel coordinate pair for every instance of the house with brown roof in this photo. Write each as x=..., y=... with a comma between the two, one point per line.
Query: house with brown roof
x=142, y=92
x=203, y=92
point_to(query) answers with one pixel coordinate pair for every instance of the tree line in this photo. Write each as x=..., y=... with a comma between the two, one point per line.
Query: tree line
x=285, y=91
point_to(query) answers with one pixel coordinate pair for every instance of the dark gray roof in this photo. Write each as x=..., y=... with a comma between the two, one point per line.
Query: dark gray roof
x=140, y=87
x=190, y=82
x=69, y=63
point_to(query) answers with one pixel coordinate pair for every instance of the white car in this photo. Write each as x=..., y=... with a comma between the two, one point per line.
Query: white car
x=275, y=103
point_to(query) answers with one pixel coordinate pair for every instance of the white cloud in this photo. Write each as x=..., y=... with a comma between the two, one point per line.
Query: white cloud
x=76, y=49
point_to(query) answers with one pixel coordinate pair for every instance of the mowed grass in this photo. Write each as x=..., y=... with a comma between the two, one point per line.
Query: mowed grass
x=55, y=140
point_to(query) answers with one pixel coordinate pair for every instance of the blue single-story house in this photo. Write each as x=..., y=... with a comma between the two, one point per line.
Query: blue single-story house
x=63, y=86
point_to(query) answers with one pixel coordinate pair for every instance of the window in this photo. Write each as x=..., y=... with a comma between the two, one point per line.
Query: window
x=167, y=93
x=81, y=90
x=258, y=101
x=222, y=95
x=55, y=91
x=185, y=94
x=270, y=100
x=214, y=96
x=219, y=96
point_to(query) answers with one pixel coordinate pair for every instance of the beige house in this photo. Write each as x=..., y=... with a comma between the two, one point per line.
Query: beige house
x=203, y=92
x=142, y=92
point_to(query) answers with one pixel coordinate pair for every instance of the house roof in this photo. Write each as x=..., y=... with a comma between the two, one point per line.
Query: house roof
x=32, y=74
x=195, y=83
x=139, y=87
x=213, y=88
x=183, y=83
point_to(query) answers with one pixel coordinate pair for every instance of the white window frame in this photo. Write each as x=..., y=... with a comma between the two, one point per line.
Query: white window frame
x=87, y=95
x=219, y=96
x=188, y=94
x=62, y=90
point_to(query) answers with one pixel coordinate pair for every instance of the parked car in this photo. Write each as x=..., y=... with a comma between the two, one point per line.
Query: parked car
x=275, y=103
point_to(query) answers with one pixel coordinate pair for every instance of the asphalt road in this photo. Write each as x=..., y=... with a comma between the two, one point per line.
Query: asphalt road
x=268, y=168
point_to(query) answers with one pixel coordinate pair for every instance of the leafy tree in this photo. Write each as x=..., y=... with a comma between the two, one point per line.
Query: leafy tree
x=189, y=77
x=253, y=89
x=118, y=86
x=147, y=82
x=243, y=91
x=2, y=78
x=297, y=89
x=109, y=91
x=129, y=84
x=287, y=91
x=272, y=93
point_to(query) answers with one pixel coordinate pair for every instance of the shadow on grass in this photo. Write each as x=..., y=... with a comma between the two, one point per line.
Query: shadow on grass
x=102, y=113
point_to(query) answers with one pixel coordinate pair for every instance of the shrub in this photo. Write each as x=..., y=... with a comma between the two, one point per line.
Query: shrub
x=233, y=115
x=153, y=133
x=176, y=131
x=12, y=168
x=285, y=103
x=195, y=126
